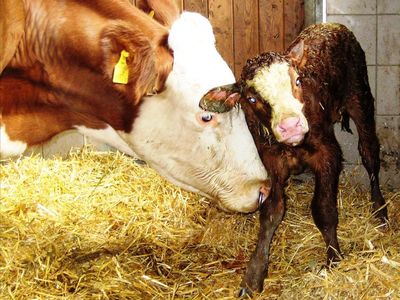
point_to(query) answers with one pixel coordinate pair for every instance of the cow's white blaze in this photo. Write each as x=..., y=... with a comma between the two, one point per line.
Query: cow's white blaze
x=273, y=83
x=219, y=160
x=8, y=147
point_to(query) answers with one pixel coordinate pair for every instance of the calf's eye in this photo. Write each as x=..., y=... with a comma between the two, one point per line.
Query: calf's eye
x=298, y=81
x=252, y=100
x=206, y=117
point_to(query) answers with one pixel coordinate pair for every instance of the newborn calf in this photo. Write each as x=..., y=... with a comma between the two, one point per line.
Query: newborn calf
x=291, y=102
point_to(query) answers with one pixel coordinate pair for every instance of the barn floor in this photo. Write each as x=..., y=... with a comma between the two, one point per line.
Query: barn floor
x=98, y=226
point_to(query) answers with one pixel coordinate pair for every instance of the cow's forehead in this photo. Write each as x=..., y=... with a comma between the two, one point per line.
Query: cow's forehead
x=271, y=81
x=198, y=66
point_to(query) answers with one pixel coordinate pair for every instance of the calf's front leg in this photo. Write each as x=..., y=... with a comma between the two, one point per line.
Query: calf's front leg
x=271, y=214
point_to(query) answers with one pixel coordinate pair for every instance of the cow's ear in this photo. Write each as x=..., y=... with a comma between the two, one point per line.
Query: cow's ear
x=165, y=11
x=297, y=54
x=220, y=99
x=120, y=39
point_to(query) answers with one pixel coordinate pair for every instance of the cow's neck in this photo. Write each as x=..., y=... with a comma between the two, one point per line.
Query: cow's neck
x=79, y=89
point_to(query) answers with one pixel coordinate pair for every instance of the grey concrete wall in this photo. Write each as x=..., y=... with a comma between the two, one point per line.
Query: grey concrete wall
x=376, y=24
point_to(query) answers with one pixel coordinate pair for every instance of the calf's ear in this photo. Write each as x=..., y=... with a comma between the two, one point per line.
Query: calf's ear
x=221, y=99
x=297, y=54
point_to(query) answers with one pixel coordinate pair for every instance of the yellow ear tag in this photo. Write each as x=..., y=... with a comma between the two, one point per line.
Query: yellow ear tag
x=121, y=71
x=151, y=13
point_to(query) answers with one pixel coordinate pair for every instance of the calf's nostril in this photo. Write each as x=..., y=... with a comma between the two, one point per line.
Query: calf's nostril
x=281, y=128
x=289, y=124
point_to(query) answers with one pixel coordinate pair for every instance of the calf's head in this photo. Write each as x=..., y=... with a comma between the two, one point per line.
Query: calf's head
x=209, y=153
x=271, y=84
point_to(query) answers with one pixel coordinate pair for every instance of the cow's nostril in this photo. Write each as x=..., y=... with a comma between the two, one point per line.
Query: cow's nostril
x=263, y=195
x=261, y=198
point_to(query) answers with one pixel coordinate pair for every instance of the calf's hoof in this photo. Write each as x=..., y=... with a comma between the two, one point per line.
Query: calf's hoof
x=250, y=284
x=382, y=217
x=245, y=292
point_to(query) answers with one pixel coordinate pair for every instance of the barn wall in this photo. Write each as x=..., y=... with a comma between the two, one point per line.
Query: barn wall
x=245, y=28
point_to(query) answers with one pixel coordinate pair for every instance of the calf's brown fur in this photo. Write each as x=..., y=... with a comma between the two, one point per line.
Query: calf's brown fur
x=334, y=86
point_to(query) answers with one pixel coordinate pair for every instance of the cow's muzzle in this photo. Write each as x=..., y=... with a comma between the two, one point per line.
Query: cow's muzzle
x=264, y=193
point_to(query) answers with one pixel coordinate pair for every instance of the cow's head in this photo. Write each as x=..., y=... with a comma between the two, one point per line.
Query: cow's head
x=272, y=86
x=209, y=153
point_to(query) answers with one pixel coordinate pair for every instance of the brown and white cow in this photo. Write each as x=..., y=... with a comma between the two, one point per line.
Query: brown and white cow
x=59, y=76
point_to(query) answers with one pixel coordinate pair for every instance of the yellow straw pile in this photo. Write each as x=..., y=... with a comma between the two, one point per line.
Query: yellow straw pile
x=100, y=226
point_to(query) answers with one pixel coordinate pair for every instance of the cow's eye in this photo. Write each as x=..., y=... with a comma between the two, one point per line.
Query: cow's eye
x=298, y=81
x=252, y=100
x=206, y=117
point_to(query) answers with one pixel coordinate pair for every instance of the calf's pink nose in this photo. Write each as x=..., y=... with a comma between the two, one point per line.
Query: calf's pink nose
x=289, y=127
x=289, y=124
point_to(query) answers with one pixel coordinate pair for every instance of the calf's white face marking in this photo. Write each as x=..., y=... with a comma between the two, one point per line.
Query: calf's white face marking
x=274, y=85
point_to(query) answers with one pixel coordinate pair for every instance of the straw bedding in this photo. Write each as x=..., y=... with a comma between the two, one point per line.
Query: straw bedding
x=100, y=226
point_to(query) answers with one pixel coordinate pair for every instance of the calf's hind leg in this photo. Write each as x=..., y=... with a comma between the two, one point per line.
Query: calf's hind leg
x=368, y=147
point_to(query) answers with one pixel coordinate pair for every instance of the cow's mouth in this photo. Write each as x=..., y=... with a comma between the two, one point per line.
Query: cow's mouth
x=263, y=195
x=261, y=198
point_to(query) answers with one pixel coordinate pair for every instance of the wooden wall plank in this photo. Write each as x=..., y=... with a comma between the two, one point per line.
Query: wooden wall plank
x=271, y=25
x=245, y=32
x=200, y=6
x=294, y=19
x=221, y=18
x=180, y=4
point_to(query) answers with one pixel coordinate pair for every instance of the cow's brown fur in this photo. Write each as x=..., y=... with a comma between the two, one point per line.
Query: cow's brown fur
x=12, y=20
x=60, y=75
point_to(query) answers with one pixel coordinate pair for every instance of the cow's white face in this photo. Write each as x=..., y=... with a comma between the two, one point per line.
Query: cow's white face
x=211, y=154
